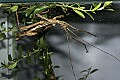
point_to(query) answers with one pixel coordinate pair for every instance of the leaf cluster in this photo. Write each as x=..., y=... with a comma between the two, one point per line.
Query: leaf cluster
x=30, y=10
x=41, y=46
x=39, y=55
x=87, y=73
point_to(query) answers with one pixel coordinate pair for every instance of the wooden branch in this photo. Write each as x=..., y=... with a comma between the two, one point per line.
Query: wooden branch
x=17, y=18
x=32, y=25
x=37, y=27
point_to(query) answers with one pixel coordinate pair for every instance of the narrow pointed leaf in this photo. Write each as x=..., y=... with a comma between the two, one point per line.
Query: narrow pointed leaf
x=43, y=42
x=29, y=61
x=83, y=71
x=80, y=13
x=30, y=10
x=64, y=9
x=107, y=3
x=3, y=64
x=109, y=9
x=20, y=50
x=94, y=4
x=9, y=57
x=40, y=9
x=3, y=35
x=93, y=71
x=91, y=7
x=90, y=15
x=82, y=8
x=12, y=66
x=97, y=7
x=56, y=66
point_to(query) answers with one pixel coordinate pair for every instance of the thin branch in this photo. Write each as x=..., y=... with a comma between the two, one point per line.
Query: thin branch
x=60, y=16
x=17, y=18
x=40, y=16
x=45, y=12
x=32, y=25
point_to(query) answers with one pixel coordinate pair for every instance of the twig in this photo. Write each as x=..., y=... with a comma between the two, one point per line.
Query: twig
x=32, y=25
x=38, y=15
x=18, y=23
x=45, y=12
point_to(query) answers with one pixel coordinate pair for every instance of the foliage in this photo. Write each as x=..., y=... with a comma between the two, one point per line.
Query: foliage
x=2, y=31
x=37, y=18
x=87, y=72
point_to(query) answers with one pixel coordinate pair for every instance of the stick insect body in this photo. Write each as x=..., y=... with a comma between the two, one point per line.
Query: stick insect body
x=35, y=28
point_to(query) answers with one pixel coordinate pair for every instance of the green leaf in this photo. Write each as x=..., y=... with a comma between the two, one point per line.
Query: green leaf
x=78, y=4
x=97, y=7
x=42, y=43
x=79, y=13
x=56, y=66
x=109, y=9
x=29, y=61
x=94, y=4
x=36, y=56
x=30, y=10
x=91, y=7
x=90, y=15
x=3, y=35
x=20, y=50
x=107, y=3
x=82, y=8
x=84, y=71
x=64, y=9
x=2, y=23
x=39, y=10
x=3, y=64
x=29, y=22
x=9, y=57
x=12, y=66
x=45, y=15
x=36, y=78
x=94, y=70
x=31, y=15
x=14, y=8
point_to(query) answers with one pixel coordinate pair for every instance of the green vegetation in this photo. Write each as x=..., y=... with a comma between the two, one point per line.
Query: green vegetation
x=36, y=19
